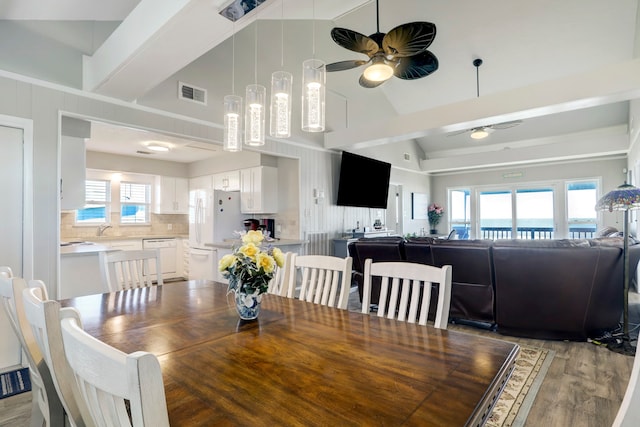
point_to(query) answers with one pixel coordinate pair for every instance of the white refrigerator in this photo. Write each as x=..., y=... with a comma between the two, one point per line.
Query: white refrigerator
x=214, y=216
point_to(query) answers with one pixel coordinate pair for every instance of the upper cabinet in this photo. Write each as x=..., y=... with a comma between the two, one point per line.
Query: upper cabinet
x=73, y=162
x=258, y=190
x=171, y=195
x=227, y=181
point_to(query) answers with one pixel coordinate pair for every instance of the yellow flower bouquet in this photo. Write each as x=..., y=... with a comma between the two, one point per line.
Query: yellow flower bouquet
x=249, y=270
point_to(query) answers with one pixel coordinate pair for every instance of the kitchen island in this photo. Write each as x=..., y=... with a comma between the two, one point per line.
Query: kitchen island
x=80, y=269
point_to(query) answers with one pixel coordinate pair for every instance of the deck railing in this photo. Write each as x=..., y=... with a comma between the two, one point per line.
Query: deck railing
x=529, y=233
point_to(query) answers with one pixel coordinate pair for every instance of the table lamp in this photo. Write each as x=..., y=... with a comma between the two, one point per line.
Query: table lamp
x=624, y=198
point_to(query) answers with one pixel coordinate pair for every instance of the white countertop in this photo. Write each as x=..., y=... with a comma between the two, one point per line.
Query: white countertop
x=228, y=244
x=84, y=249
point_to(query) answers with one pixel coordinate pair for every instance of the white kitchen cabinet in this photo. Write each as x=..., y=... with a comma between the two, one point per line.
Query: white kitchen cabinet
x=72, y=173
x=259, y=190
x=227, y=181
x=171, y=195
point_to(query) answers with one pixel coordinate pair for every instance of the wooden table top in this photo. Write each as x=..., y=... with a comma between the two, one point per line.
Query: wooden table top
x=299, y=363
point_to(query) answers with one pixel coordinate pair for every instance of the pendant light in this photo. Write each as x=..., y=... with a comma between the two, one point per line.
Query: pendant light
x=232, y=109
x=281, y=85
x=254, y=113
x=313, y=89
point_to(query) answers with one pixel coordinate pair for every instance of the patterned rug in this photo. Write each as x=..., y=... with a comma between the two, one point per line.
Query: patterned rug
x=14, y=382
x=513, y=406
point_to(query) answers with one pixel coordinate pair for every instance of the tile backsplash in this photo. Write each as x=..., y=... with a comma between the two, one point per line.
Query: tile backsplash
x=160, y=224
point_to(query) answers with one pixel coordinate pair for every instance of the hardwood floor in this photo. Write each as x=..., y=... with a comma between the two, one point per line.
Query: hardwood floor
x=584, y=386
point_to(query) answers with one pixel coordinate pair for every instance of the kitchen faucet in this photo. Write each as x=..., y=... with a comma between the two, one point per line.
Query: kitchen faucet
x=102, y=228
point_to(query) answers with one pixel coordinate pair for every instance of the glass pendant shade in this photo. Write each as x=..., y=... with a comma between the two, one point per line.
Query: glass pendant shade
x=232, y=123
x=313, y=93
x=281, y=84
x=254, y=118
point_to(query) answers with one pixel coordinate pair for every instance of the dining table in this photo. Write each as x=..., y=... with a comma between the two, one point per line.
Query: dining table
x=298, y=363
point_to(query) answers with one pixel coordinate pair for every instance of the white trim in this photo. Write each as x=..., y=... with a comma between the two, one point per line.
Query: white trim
x=27, y=198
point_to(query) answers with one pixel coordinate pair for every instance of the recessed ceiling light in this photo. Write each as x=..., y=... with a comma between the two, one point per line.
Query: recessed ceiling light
x=159, y=148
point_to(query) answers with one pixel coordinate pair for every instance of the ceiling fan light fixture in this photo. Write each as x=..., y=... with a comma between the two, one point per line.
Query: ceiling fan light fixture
x=158, y=148
x=479, y=133
x=378, y=71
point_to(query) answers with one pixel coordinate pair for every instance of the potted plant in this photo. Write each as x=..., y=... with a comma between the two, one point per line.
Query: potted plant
x=434, y=212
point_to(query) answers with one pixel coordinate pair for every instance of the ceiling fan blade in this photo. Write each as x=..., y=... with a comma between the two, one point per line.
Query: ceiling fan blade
x=417, y=66
x=345, y=65
x=506, y=125
x=368, y=83
x=409, y=39
x=354, y=41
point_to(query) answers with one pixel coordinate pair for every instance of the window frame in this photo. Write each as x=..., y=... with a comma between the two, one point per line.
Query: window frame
x=89, y=202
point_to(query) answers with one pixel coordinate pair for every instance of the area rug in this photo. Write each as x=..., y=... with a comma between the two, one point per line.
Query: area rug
x=513, y=406
x=14, y=382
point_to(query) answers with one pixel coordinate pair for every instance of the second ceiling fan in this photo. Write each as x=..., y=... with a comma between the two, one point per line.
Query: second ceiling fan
x=402, y=52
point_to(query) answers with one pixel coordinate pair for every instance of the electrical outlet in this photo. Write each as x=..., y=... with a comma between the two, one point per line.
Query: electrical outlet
x=169, y=226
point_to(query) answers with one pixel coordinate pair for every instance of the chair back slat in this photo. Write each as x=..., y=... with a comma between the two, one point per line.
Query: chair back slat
x=325, y=280
x=280, y=281
x=130, y=269
x=405, y=292
x=46, y=405
x=44, y=318
x=108, y=377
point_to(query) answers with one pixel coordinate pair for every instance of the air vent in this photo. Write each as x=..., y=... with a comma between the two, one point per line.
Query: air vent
x=191, y=93
x=407, y=156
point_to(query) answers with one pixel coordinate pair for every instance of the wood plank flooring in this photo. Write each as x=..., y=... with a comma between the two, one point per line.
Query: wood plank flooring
x=584, y=386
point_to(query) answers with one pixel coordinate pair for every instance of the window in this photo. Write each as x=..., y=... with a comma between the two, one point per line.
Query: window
x=135, y=202
x=460, y=212
x=581, y=214
x=97, y=205
x=496, y=214
x=534, y=213
x=517, y=214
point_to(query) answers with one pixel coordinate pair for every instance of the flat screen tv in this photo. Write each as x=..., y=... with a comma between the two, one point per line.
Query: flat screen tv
x=364, y=182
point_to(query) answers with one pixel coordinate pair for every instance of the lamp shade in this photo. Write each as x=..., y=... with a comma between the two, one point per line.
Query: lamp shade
x=232, y=120
x=281, y=83
x=313, y=93
x=624, y=198
x=254, y=121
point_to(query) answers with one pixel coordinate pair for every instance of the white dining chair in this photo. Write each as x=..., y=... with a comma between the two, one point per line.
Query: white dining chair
x=130, y=269
x=405, y=291
x=44, y=317
x=280, y=282
x=108, y=379
x=46, y=406
x=325, y=279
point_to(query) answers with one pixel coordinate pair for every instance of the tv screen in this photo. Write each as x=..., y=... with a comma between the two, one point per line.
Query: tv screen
x=364, y=182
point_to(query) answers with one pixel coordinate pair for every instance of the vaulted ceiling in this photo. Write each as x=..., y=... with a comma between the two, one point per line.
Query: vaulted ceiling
x=566, y=69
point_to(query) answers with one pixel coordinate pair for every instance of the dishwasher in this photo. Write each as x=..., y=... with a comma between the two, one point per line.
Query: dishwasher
x=168, y=255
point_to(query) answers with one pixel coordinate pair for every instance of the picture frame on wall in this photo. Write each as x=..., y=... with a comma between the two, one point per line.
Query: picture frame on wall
x=419, y=205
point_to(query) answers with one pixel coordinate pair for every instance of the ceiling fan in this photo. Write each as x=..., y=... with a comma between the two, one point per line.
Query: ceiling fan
x=401, y=52
x=482, y=132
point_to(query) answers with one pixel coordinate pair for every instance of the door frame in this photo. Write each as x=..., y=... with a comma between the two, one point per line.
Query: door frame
x=27, y=189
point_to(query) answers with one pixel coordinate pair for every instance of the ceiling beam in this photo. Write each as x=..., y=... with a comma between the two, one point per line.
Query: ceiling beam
x=611, y=83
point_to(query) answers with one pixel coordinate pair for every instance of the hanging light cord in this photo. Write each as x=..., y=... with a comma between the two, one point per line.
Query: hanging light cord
x=282, y=34
x=313, y=17
x=377, y=17
x=256, y=53
x=233, y=59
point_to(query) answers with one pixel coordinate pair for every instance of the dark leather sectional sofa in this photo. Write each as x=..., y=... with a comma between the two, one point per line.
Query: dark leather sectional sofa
x=547, y=289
